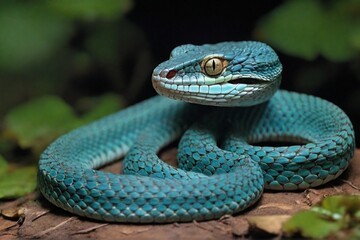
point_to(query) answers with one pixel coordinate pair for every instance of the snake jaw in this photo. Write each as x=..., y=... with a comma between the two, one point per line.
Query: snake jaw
x=235, y=92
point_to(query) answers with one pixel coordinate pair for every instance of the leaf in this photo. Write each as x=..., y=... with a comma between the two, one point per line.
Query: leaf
x=335, y=40
x=17, y=183
x=3, y=165
x=308, y=28
x=91, y=9
x=330, y=216
x=13, y=213
x=290, y=31
x=29, y=34
x=36, y=123
x=339, y=208
x=310, y=225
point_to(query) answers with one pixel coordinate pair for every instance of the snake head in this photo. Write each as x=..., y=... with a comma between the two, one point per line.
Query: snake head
x=222, y=74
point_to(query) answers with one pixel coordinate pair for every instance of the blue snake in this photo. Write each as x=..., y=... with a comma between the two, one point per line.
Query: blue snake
x=223, y=168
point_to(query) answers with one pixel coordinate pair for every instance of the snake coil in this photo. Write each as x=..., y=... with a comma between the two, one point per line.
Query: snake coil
x=222, y=169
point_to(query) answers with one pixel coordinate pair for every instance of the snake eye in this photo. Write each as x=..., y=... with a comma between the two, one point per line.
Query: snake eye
x=213, y=66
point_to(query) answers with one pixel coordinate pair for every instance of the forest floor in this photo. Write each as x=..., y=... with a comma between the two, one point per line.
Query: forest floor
x=34, y=217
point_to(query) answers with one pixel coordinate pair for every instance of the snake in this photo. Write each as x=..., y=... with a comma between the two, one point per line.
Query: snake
x=238, y=134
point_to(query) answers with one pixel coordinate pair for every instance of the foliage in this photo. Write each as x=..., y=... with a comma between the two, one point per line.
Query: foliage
x=309, y=28
x=44, y=47
x=36, y=123
x=15, y=182
x=335, y=216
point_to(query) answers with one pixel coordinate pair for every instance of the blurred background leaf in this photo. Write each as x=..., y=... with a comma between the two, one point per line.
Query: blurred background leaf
x=308, y=28
x=18, y=182
x=36, y=123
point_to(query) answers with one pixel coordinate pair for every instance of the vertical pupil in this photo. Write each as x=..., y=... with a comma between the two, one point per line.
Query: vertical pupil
x=213, y=66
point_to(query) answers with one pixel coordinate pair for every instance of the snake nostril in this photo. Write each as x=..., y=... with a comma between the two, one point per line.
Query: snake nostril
x=171, y=74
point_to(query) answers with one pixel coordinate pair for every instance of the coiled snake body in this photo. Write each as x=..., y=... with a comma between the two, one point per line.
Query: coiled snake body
x=222, y=169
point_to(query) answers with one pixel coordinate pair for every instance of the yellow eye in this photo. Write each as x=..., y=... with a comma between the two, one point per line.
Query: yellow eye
x=213, y=66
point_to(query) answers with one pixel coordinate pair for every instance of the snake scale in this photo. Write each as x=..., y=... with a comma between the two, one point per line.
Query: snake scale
x=222, y=167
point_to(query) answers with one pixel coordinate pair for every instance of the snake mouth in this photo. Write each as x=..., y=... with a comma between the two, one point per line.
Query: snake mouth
x=249, y=81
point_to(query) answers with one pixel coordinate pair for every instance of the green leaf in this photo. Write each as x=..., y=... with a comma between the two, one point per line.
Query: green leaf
x=327, y=218
x=309, y=28
x=29, y=34
x=292, y=28
x=340, y=207
x=17, y=183
x=36, y=123
x=3, y=165
x=310, y=225
x=91, y=9
x=335, y=41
